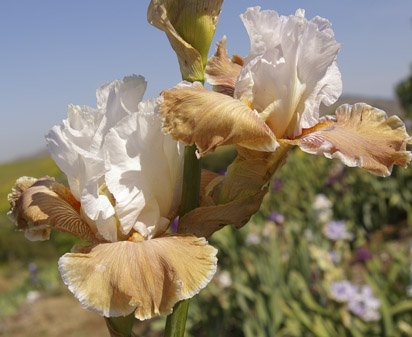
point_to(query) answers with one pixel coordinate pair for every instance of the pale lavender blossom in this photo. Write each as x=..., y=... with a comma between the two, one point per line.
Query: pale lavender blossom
x=365, y=305
x=336, y=230
x=335, y=256
x=276, y=217
x=360, y=300
x=223, y=279
x=323, y=208
x=342, y=291
x=252, y=239
x=321, y=202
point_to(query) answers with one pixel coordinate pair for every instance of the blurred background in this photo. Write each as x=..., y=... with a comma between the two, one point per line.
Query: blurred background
x=329, y=253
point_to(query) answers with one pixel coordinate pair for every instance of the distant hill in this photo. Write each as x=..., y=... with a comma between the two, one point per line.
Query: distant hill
x=391, y=107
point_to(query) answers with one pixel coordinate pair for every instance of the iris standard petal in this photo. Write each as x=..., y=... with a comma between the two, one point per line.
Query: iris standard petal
x=144, y=171
x=290, y=69
x=221, y=71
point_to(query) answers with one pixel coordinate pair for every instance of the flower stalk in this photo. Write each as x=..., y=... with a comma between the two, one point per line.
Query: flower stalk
x=120, y=326
x=176, y=321
x=189, y=26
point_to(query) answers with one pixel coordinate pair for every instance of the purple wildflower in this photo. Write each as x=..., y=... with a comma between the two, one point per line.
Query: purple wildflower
x=342, y=291
x=277, y=185
x=365, y=305
x=363, y=254
x=336, y=230
x=276, y=217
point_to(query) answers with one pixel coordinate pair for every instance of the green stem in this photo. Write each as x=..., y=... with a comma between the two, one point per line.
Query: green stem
x=191, y=181
x=120, y=326
x=176, y=321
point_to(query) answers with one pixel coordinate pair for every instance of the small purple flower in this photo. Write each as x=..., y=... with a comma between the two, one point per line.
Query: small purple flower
x=336, y=230
x=276, y=217
x=252, y=239
x=365, y=305
x=277, y=185
x=357, y=307
x=335, y=256
x=363, y=254
x=360, y=300
x=342, y=291
x=33, y=273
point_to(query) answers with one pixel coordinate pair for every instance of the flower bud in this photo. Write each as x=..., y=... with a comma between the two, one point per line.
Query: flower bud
x=189, y=26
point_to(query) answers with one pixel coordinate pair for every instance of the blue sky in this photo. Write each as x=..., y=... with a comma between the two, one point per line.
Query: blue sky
x=58, y=52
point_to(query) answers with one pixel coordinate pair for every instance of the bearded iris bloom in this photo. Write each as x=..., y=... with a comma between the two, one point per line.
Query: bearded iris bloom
x=277, y=90
x=125, y=181
x=268, y=102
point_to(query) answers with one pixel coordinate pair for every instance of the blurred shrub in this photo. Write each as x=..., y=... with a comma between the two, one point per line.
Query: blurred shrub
x=404, y=92
x=275, y=276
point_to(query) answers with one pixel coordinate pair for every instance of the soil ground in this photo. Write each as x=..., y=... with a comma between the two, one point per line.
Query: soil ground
x=59, y=316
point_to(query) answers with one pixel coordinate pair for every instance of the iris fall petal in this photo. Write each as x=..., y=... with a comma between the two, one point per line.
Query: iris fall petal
x=361, y=136
x=146, y=277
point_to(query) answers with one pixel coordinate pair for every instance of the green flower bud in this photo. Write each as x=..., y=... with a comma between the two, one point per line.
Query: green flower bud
x=189, y=26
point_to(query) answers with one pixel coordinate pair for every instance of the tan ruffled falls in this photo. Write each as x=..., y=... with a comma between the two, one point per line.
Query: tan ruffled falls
x=40, y=205
x=146, y=277
x=362, y=136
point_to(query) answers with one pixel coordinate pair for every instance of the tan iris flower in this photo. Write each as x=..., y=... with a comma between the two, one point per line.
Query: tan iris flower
x=125, y=180
x=291, y=69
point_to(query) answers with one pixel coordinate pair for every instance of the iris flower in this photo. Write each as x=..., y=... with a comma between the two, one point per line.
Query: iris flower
x=268, y=102
x=125, y=179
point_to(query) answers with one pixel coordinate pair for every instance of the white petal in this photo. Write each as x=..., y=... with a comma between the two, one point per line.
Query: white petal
x=291, y=63
x=76, y=146
x=145, y=170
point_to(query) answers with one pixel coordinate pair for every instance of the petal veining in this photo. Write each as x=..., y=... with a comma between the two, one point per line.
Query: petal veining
x=146, y=277
x=76, y=146
x=43, y=205
x=208, y=119
x=221, y=71
x=360, y=136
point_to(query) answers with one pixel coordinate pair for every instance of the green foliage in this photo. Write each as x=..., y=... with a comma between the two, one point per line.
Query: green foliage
x=404, y=93
x=280, y=281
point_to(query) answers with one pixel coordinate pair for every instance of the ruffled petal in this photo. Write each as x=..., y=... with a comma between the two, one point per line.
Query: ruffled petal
x=76, y=146
x=208, y=119
x=221, y=71
x=40, y=205
x=146, y=277
x=144, y=171
x=361, y=136
x=290, y=69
